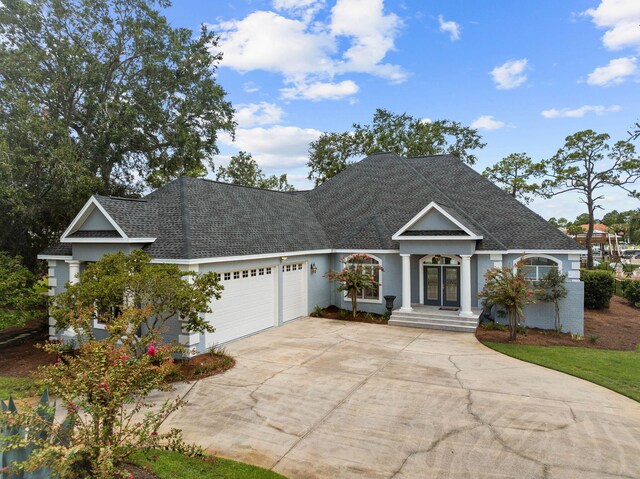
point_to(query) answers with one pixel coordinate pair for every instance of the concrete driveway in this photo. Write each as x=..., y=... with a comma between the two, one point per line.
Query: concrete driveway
x=329, y=399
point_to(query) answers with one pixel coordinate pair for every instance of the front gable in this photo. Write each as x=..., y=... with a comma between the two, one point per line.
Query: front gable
x=435, y=223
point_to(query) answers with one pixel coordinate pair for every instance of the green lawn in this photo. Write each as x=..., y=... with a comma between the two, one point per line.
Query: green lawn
x=17, y=387
x=172, y=465
x=615, y=370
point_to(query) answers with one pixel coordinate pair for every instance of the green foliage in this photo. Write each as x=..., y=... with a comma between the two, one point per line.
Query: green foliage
x=514, y=173
x=369, y=317
x=17, y=387
x=244, y=170
x=104, y=386
x=356, y=275
x=634, y=227
x=582, y=219
x=398, y=133
x=593, y=339
x=119, y=281
x=585, y=164
x=98, y=96
x=574, y=230
x=173, y=465
x=520, y=329
x=494, y=326
x=344, y=314
x=20, y=299
x=386, y=315
x=551, y=289
x=318, y=311
x=559, y=222
x=616, y=370
x=631, y=291
x=510, y=291
x=599, y=286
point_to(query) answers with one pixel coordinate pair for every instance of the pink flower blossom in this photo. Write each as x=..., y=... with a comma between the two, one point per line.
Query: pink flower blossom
x=152, y=350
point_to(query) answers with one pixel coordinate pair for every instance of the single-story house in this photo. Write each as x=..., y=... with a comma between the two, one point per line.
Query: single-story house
x=434, y=224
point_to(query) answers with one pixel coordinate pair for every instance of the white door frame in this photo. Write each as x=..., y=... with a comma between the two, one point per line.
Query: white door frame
x=422, y=262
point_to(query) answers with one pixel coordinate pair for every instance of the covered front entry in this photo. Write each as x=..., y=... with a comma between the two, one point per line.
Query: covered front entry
x=441, y=286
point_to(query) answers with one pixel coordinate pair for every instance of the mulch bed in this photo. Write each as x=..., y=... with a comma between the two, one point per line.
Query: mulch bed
x=615, y=328
x=333, y=312
x=22, y=359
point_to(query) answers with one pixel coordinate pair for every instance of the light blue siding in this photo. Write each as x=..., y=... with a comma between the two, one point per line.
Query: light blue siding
x=96, y=222
x=423, y=248
x=434, y=220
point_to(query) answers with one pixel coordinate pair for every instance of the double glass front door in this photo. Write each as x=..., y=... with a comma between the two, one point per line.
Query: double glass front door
x=442, y=285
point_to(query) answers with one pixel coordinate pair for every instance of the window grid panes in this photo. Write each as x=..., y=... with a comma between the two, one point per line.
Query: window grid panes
x=370, y=267
x=536, y=268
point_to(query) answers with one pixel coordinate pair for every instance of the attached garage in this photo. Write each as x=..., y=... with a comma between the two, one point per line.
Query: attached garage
x=294, y=291
x=248, y=304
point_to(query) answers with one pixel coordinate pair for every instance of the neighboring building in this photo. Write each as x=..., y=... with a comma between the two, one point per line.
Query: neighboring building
x=604, y=244
x=433, y=223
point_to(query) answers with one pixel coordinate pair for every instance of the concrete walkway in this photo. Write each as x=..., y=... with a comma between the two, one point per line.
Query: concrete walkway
x=329, y=399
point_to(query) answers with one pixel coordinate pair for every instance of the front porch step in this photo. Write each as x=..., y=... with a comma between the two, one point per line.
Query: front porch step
x=448, y=321
x=442, y=325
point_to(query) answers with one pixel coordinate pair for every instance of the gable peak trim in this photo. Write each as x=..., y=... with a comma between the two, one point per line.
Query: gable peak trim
x=92, y=204
x=397, y=236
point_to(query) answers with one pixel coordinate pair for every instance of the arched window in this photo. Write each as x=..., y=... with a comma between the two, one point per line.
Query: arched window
x=368, y=266
x=537, y=267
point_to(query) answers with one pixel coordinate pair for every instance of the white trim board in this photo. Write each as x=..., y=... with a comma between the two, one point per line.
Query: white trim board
x=84, y=213
x=532, y=251
x=53, y=257
x=107, y=240
x=433, y=205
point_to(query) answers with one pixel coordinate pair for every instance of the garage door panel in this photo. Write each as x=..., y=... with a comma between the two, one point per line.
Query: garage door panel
x=248, y=304
x=294, y=285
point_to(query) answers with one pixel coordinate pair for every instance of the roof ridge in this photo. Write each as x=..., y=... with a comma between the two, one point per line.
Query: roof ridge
x=121, y=198
x=209, y=180
x=452, y=205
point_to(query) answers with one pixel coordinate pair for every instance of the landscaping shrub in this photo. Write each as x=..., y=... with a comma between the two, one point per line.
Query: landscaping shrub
x=631, y=291
x=598, y=288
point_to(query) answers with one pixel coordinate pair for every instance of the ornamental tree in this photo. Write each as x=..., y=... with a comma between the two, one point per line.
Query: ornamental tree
x=514, y=174
x=551, y=289
x=509, y=290
x=356, y=275
x=119, y=281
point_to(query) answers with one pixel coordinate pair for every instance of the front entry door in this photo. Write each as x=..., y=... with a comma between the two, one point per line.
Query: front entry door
x=433, y=285
x=442, y=286
x=451, y=286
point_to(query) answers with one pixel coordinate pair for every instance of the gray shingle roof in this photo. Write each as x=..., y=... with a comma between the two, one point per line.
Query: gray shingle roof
x=95, y=234
x=58, y=249
x=361, y=208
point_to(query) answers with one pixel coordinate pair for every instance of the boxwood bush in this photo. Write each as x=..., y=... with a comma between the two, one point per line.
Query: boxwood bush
x=631, y=291
x=599, y=286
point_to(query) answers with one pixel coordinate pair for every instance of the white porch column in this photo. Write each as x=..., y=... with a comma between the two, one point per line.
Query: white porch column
x=74, y=270
x=465, y=286
x=406, y=283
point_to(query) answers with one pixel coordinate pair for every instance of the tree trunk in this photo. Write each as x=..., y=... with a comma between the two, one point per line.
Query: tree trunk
x=558, y=325
x=589, y=236
x=512, y=326
x=354, y=304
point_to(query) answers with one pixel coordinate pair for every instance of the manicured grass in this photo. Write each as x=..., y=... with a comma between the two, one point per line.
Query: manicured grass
x=172, y=465
x=615, y=370
x=17, y=387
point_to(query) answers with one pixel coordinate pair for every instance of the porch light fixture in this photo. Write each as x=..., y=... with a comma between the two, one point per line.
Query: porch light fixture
x=283, y=258
x=314, y=268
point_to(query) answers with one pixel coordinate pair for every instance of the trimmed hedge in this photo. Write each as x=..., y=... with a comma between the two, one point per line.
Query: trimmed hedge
x=599, y=286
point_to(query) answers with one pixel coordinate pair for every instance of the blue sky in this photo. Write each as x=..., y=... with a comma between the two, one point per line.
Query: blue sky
x=526, y=73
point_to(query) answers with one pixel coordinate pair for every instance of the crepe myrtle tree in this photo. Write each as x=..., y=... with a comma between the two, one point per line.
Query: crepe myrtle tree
x=508, y=289
x=121, y=281
x=356, y=275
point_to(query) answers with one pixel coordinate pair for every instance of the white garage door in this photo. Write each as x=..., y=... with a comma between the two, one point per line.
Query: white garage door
x=248, y=304
x=294, y=294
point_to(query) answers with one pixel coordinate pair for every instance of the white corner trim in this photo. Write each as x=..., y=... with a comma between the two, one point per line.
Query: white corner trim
x=84, y=213
x=107, y=240
x=429, y=207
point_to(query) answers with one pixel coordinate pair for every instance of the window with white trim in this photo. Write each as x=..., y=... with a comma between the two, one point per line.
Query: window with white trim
x=536, y=268
x=369, y=266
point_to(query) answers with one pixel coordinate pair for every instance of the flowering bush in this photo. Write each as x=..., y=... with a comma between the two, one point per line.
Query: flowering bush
x=356, y=274
x=510, y=290
x=103, y=387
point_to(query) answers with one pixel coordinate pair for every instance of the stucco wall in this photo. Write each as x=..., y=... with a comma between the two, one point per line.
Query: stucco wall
x=96, y=222
x=434, y=220
x=541, y=315
x=438, y=247
x=390, y=279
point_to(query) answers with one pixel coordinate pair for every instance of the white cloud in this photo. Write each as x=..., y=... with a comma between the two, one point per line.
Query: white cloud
x=450, y=27
x=487, y=122
x=310, y=50
x=276, y=146
x=320, y=91
x=254, y=114
x=510, y=74
x=620, y=18
x=580, y=112
x=250, y=87
x=615, y=72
